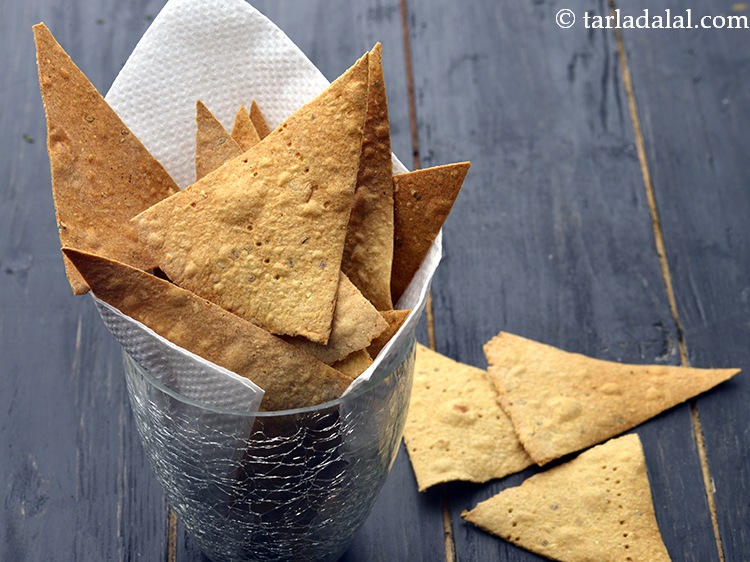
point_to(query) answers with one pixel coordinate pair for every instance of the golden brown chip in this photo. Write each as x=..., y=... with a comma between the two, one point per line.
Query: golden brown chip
x=596, y=507
x=454, y=429
x=368, y=252
x=395, y=319
x=422, y=201
x=259, y=122
x=243, y=130
x=102, y=175
x=562, y=402
x=290, y=377
x=213, y=145
x=355, y=324
x=354, y=364
x=263, y=235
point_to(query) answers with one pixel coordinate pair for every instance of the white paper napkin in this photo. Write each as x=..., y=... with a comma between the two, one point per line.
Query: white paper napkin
x=177, y=369
x=225, y=53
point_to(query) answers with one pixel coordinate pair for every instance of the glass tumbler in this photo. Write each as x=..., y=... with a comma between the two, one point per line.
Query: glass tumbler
x=288, y=485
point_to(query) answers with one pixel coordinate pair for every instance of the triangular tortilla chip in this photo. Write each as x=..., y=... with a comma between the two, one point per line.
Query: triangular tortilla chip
x=422, y=201
x=354, y=364
x=102, y=175
x=290, y=377
x=213, y=144
x=455, y=429
x=562, y=402
x=243, y=130
x=259, y=122
x=596, y=507
x=263, y=235
x=395, y=319
x=368, y=252
x=355, y=324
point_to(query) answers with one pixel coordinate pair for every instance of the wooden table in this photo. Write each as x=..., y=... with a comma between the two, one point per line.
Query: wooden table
x=606, y=212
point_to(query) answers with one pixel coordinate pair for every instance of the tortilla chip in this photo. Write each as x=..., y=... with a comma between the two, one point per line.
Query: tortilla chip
x=368, y=252
x=395, y=319
x=243, y=131
x=290, y=377
x=596, y=507
x=455, y=429
x=562, y=402
x=422, y=201
x=259, y=122
x=102, y=175
x=355, y=324
x=263, y=235
x=213, y=145
x=354, y=364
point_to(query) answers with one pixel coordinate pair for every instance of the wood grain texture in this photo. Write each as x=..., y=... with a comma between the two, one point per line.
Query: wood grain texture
x=691, y=89
x=551, y=237
x=77, y=485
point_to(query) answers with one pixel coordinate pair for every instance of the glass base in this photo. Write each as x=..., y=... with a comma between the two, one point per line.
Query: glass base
x=293, y=485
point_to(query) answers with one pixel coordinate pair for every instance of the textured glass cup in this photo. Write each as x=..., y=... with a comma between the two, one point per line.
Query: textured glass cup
x=291, y=485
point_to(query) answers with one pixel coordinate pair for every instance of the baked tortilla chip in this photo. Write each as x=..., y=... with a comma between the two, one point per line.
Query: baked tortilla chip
x=597, y=506
x=395, y=319
x=368, y=251
x=290, y=377
x=102, y=175
x=243, y=130
x=455, y=429
x=259, y=122
x=354, y=364
x=422, y=201
x=562, y=402
x=263, y=235
x=355, y=324
x=213, y=144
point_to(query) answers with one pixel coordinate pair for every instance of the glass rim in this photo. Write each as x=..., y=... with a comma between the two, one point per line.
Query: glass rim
x=378, y=377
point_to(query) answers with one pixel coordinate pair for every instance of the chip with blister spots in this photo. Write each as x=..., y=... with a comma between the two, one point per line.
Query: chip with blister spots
x=263, y=235
x=597, y=506
x=562, y=402
x=455, y=429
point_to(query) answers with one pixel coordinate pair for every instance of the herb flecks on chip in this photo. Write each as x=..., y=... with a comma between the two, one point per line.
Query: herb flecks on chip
x=597, y=506
x=455, y=429
x=368, y=252
x=263, y=235
x=102, y=175
x=355, y=324
x=563, y=402
x=289, y=377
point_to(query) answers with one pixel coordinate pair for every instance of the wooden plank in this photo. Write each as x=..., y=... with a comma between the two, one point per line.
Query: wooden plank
x=334, y=34
x=551, y=237
x=76, y=482
x=694, y=107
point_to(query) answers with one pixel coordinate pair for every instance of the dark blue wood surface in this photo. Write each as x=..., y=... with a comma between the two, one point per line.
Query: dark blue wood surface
x=606, y=212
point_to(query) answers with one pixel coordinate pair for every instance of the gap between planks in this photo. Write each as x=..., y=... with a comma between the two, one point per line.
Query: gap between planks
x=666, y=275
x=171, y=535
x=450, y=547
x=446, y=518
